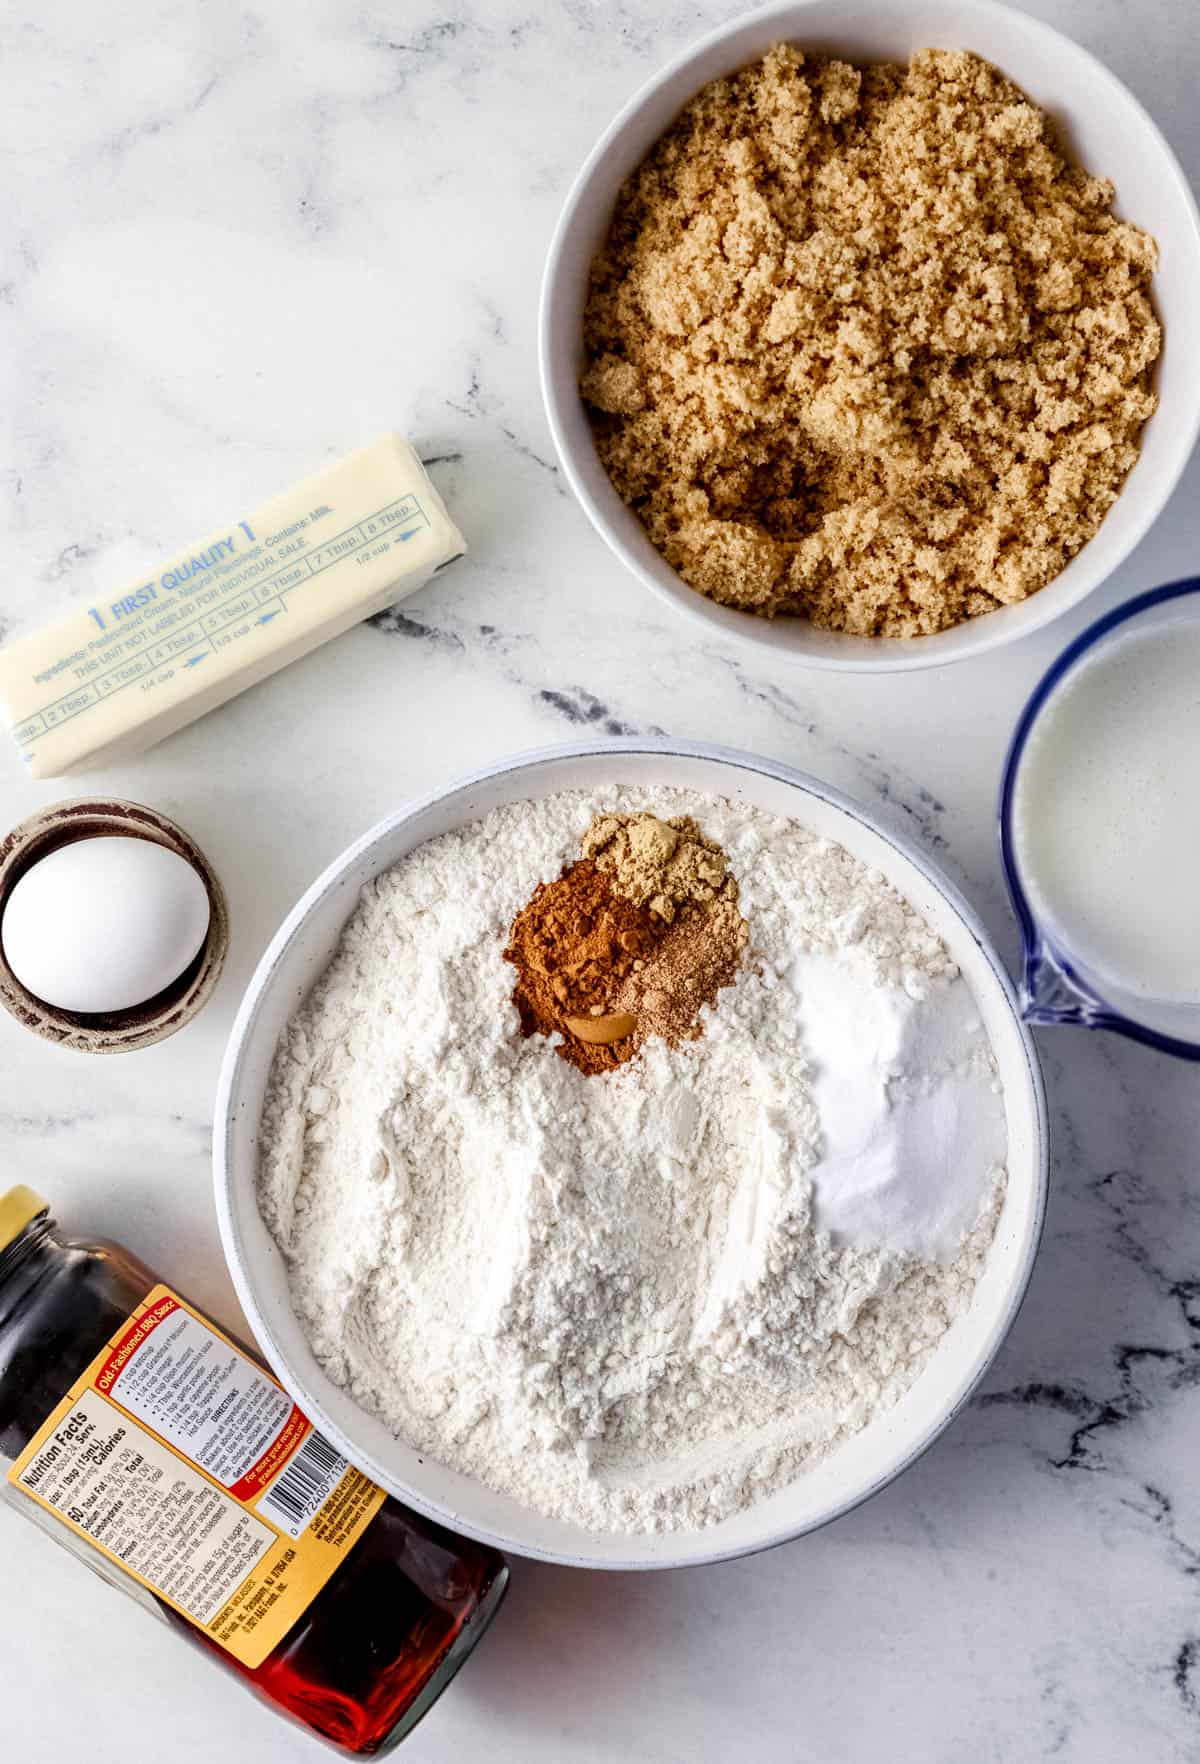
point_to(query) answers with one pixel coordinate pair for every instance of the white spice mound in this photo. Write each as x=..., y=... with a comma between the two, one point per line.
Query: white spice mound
x=614, y=1297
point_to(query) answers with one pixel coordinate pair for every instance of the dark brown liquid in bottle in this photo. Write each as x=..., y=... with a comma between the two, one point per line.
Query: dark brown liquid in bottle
x=393, y=1622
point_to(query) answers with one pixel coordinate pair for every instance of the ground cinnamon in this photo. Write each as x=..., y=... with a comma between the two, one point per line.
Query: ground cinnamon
x=573, y=945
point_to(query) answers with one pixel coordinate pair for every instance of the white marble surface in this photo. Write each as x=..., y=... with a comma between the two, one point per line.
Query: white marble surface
x=236, y=242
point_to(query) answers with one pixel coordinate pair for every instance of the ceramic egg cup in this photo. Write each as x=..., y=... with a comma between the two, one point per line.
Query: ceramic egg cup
x=140, y=1025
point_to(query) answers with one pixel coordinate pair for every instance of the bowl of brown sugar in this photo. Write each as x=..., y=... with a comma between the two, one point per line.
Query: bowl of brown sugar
x=849, y=345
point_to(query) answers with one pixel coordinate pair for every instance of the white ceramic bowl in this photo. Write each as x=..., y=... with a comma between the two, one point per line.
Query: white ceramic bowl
x=1105, y=129
x=303, y=947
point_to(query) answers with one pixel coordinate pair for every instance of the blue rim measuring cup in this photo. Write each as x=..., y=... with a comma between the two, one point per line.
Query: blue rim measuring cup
x=1056, y=985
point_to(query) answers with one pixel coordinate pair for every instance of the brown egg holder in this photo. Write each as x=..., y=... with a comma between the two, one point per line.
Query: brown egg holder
x=86, y=817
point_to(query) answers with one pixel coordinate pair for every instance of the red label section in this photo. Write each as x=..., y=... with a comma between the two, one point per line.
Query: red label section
x=132, y=1339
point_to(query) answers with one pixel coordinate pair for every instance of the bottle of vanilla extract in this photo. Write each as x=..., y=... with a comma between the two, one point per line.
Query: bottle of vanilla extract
x=160, y=1451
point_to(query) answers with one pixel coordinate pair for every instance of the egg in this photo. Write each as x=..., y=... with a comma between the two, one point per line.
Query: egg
x=102, y=925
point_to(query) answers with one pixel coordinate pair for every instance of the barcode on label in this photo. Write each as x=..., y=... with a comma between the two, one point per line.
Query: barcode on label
x=302, y=1485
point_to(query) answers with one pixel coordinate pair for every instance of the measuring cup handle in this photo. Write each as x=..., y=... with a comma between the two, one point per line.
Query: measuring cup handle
x=1048, y=992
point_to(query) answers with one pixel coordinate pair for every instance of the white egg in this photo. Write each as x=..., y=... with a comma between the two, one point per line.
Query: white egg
x=102, y=925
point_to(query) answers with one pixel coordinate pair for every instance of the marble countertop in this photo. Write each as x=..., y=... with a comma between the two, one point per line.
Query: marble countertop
x=236, y=243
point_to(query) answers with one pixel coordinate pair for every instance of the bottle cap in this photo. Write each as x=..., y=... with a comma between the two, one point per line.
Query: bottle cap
x=17, y=1207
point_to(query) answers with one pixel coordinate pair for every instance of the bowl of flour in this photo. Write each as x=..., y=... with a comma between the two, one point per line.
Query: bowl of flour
x=667, y=1303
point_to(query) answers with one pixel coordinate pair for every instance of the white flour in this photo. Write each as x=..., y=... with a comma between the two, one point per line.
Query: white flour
x=608, y=1295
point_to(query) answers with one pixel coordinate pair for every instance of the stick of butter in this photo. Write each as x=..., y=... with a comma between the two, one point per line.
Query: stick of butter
x=111, y=679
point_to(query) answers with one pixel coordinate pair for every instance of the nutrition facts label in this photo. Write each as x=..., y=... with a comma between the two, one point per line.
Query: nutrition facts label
x=183, y=1461
x=162, y=1520
x=207, y=601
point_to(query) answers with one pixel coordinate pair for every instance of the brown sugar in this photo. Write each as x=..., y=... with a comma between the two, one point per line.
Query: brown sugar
x=607, y=970
x=862, y=345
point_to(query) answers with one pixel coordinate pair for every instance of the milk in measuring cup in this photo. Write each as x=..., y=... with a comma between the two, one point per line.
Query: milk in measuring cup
x=1106, y=813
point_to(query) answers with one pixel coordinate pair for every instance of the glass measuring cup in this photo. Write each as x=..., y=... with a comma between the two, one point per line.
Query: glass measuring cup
x=1059, y=982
